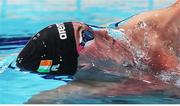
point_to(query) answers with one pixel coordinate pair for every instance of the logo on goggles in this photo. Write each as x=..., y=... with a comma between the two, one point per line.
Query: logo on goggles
x=62, y=31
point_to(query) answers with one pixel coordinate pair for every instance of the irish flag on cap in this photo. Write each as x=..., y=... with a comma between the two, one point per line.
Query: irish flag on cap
x=45, y=66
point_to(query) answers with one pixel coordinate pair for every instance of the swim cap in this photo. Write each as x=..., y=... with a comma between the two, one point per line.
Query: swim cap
x=51, y=51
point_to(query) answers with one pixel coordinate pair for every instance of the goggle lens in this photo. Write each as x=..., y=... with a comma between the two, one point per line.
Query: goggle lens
x=87, y=35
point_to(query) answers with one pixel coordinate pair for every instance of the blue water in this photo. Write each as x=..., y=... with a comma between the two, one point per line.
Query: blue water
x=26, y=17
x=18, y=87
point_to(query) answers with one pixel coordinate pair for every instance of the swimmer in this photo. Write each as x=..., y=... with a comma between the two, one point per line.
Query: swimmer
x=151, y=38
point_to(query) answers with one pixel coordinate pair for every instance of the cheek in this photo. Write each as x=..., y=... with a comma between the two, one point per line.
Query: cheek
x=89, y=43
x=88, y=48
x=101, y=44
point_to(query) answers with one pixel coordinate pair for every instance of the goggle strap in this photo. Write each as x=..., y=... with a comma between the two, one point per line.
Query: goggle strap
x=113, y=25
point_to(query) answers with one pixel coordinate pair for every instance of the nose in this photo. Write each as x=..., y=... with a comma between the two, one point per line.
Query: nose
x=101, y=33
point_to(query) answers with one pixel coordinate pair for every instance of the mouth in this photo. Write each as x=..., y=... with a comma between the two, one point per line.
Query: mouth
x=81, y=66
x=85, y=66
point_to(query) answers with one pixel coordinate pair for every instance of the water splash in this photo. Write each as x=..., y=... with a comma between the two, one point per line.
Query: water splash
x=4, y=64
x=137, y=52
x=142, y=25
x=146, y=44
x=170, y=77
x=140, y=54
x=117, y=34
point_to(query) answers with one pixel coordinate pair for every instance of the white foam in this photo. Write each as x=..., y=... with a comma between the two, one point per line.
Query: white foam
x=156, y=15
x=178, y=83
x=4, y=64
x=142, y=25
x=146, y=81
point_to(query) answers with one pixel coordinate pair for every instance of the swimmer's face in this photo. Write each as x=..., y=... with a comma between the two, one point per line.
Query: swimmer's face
x=101, y=37
x=101, y=41
x=103, y=47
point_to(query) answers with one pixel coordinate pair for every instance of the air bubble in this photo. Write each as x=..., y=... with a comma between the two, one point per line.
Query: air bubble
x=156, y=15
x=125, y=64
x=20, y=61
x=146, y=40
x=146, y=81
x=93, y=64
x=34, y=38
x=50, y=26
x=17, y=69
x=122, y=30
x=142, y=25
x=178, y=83
x=38, y=35
x=171, y=49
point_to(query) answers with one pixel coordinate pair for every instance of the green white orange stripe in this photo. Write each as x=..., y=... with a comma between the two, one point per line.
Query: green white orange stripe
x=45, y=66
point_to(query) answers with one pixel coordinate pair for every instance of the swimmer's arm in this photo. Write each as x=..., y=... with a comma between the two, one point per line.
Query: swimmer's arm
x=162, y=59
x=162, y=17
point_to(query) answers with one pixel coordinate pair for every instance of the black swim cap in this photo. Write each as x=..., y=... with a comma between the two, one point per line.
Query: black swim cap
x=51, y=51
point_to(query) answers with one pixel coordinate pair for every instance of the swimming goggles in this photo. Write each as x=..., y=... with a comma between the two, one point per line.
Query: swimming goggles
x=88, y=35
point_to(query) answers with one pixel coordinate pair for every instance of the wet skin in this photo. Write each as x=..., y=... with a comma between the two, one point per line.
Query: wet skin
x=162, y=31
x=155, y=33
x=106, y=54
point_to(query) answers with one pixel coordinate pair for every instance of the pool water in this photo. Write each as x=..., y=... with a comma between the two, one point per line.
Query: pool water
x=24, y=18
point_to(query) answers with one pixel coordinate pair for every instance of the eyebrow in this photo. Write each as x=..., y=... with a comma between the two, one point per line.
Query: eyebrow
x=79, y=28
x=78, y=31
